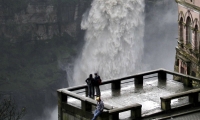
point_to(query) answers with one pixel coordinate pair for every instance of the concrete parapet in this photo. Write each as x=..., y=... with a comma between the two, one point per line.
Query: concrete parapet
x=139, y=79
x=86, y=91
x=66, y=111
x=165, y=104
x=162, y=75
x=194, y=98
x=116, y=85
x=187, y=82
x=135, y=111
x=59, y=106
x=192, y=94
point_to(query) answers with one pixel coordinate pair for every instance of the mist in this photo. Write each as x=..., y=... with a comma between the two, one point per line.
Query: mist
x=156, y=45
x=49, y=114
x=161, y=31
x=113, y=39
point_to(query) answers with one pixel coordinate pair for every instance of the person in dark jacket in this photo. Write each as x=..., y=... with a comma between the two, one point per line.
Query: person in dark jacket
x=89, y=82
x=96, y=84
x=99, y=108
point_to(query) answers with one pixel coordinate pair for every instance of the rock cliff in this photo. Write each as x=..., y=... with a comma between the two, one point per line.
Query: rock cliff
x=41, y=19
x=38, y=39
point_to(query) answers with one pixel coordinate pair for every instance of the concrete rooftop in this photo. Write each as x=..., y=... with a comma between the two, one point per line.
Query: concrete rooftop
x=147, y=95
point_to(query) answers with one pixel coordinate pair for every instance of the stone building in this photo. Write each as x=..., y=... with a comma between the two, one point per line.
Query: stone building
x=187, y=60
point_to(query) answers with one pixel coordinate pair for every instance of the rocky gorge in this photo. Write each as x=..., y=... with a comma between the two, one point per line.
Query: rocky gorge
x=39, y=38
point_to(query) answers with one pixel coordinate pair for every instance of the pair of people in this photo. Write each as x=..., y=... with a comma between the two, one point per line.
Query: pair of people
x=93, y=83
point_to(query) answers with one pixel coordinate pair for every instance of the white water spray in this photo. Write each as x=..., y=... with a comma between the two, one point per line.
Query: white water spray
x=113, y=40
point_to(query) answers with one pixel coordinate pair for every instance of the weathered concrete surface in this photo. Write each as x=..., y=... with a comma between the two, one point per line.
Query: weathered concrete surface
x=148, y=95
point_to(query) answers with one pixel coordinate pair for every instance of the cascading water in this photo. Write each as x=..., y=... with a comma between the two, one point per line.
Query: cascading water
x=113, y=40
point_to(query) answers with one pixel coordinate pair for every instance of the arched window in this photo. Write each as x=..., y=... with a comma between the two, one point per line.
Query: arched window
x=177, y=62
x=188, y=31
x=181, y=29
x=182, y=70
x=195, y=37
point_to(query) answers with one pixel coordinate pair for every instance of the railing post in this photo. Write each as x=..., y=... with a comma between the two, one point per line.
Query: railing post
x=194, y=98
x=139, y=79
x=115, y=116
x=165, y=104
x=104, y=115
x=86, y=91
x=162, y=75
x=116, y=85
x=64, y=97
x=61, y=98
x=86, y=106
x=187, y=82
x=59, y=105
x=136, y=113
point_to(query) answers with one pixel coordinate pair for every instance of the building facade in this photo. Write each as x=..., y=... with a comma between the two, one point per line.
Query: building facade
x=187, y=60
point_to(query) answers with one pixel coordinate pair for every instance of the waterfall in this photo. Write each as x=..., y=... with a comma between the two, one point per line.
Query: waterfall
x=113, y=40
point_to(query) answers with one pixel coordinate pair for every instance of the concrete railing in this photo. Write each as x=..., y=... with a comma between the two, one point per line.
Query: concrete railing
x=116, y=83
x=187, y=78
x=87, y=103
x=138, y=78
x=109, y=112
x=192, y=94
x=134, y=108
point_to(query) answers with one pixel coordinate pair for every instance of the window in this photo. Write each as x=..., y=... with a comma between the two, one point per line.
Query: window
x=182, y=70
x=195, y=37
x=177, y=62
x=181, y=29
x=188, y=31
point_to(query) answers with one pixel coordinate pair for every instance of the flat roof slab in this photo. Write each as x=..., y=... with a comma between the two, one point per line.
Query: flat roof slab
x=147, y=95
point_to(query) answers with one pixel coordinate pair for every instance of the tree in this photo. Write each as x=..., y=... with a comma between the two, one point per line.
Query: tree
x=10, y=111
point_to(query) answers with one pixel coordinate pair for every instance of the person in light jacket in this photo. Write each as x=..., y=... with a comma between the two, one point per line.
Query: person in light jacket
x=99, y=108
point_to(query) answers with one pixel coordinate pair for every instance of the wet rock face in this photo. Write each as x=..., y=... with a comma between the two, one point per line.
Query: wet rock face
x=41, y=18
x=45, y=32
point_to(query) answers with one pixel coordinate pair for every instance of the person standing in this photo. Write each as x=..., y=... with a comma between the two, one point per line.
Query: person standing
x=90, y=85
x=97, y=82
x=99, y=108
